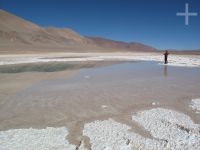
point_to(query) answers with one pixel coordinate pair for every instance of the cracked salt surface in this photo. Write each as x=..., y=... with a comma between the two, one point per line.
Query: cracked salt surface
x=195, y=105
x=169, y=130
x=35, y=139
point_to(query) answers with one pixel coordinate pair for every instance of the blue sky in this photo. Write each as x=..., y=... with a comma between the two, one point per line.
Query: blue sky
x=152, y=22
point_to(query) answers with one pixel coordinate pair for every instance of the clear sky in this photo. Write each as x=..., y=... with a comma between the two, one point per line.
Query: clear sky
x=152, y=22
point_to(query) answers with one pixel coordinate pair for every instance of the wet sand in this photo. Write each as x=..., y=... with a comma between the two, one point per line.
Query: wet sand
x=71, y=98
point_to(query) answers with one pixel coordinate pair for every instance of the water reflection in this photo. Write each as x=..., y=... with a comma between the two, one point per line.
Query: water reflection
x=165, y=71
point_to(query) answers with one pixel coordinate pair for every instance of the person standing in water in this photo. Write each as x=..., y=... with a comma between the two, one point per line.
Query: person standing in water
x=166, y=55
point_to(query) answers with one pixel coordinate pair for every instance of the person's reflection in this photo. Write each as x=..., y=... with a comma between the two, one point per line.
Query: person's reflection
x=165, y=72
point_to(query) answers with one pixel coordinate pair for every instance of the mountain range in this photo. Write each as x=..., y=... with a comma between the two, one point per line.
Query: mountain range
x=19, y=35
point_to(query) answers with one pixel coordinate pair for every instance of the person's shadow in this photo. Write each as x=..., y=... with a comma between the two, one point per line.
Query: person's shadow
x=165, y=71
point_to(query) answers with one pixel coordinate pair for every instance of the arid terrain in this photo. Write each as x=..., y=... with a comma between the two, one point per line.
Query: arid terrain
x=20, y=36
x=60, y=90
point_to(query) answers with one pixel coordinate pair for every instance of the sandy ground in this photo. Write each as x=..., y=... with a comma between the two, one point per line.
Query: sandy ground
x=73, y=98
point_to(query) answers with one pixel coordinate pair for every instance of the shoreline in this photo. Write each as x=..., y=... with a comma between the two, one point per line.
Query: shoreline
x=174, y=60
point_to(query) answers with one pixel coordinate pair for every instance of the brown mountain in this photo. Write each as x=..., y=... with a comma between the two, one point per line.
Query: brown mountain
x=19, y=35
x=119, y=45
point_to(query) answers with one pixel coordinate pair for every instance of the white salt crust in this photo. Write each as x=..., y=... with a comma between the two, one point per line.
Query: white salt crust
x=111, y=135
x=35, y=139
x=173, y=60
x=195, y=105
x=177, y=129
x=169, y=130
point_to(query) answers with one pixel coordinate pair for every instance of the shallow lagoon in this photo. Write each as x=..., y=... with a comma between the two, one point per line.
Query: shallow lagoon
x=95, y=93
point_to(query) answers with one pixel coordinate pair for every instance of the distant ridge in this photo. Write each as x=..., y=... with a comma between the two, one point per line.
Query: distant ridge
x=17, y=34
x=133, y=46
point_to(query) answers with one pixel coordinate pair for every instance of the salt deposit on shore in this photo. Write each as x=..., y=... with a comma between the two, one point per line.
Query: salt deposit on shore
x=195, y=105
x=174, y=60
x=169, y=130
x=32, y=139
x=109, y=135
x=177, y=129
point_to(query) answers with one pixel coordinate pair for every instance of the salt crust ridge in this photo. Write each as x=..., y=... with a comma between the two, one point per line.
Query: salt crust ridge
x=195, y=105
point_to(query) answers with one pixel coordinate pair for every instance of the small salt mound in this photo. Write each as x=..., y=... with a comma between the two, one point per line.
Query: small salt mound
x=104, y=106
x=195, y=105
x=177, y=129
x=35, y=139
x=155, y=103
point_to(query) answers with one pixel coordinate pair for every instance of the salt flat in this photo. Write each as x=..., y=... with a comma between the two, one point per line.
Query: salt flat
x=138, y=103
